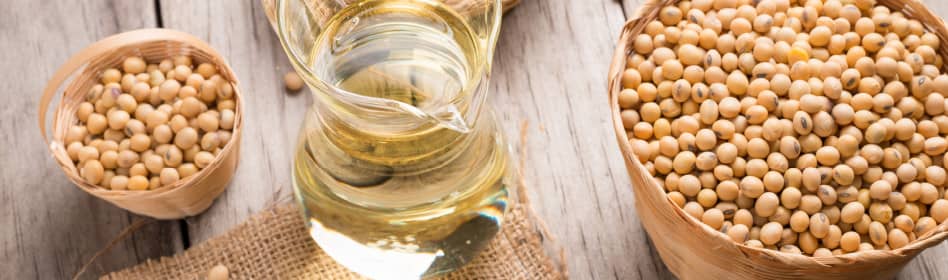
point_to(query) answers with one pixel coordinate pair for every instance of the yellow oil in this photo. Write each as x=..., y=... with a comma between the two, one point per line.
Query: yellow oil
x=394, y=195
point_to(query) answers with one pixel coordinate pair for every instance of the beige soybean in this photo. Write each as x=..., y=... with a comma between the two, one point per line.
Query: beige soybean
x=168, y=175
x=208, y=122
x=138, y=183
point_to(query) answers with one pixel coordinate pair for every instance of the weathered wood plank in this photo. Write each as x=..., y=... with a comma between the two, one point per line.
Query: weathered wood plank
x=241, y=33
x=50, y=228
x=630, y=6
x=551, y=72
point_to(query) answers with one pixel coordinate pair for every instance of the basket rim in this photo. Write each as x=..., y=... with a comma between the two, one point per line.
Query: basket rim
x=647, y=12
x=190, y=45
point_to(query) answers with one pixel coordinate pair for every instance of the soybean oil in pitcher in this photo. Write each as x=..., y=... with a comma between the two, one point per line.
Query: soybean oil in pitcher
x=398, y=173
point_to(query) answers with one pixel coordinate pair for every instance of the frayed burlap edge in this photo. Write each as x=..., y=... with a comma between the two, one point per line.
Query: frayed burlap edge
x=274, y=244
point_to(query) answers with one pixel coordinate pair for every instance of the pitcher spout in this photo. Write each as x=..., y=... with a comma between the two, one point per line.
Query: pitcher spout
x=447, y=116
x=451, y=118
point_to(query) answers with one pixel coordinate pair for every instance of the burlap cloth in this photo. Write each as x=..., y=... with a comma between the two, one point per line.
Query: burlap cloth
x=274, y=244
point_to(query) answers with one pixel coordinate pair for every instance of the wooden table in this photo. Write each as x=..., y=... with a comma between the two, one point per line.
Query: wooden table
x=550, y=72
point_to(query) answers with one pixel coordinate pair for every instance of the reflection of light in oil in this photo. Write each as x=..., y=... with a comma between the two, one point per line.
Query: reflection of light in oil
x=430, y=215
x=495, y=211
x=402, y=262
x=495, y=214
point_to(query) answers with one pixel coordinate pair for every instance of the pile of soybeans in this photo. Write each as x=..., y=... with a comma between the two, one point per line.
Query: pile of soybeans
x=809, y=127
x=147, y=126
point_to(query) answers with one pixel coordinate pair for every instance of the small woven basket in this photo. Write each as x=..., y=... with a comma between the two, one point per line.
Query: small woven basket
x=692, y=250
x=186, y=197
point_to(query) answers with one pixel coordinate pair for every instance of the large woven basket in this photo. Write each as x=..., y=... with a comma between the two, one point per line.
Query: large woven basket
x=692, y=250
x=186, y=197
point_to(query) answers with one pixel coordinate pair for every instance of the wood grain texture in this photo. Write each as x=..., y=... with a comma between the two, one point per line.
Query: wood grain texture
x=629, y=6
x=550, y=71
x=240, y=32
x=50, y=228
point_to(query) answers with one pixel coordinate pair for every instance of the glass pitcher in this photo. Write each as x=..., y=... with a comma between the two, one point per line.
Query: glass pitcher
x=399, y=170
